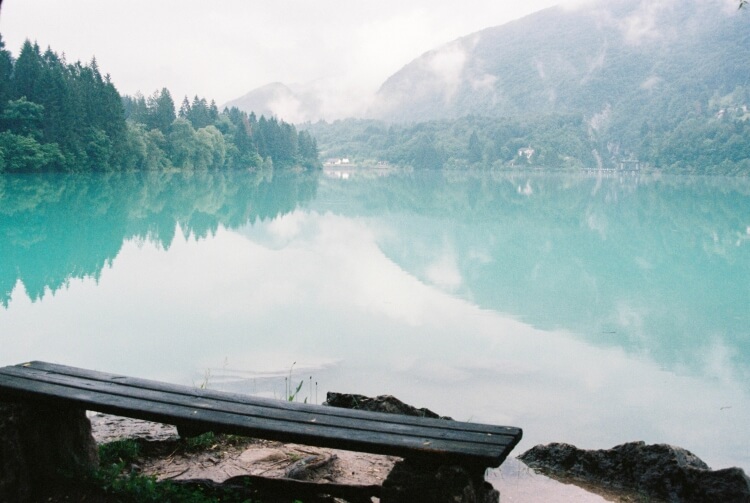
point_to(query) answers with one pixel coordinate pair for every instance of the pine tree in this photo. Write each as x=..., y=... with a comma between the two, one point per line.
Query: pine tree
x=213, y=112
x=55, y=97
x=6, y=70
x=199, y=115
x=161, y=113
x=184, y=108
x=27, y=72
x=135, y=108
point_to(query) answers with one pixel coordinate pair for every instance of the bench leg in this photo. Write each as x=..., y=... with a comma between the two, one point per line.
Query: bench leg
x=419, y=481
x=187, y=431
x=39, y=444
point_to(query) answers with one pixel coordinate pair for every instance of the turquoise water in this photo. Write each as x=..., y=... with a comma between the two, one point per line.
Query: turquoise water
x=589, y=308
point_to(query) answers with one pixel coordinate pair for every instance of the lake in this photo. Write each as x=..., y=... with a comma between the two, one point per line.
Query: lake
x=589, y=308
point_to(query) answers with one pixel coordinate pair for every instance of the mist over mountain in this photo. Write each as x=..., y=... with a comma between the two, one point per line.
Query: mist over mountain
x=327, y=98
x=278, y=100
x=622, y=84
x=607, y=60
x=602, y=59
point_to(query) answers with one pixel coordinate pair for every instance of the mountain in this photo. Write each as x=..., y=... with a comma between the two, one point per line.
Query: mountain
x=279, y=100
x=327, y=98
x=619, y=63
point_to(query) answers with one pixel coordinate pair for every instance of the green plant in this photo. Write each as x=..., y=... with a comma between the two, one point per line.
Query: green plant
x=290, y=395
x=202, y=442
x=293, y=396
x=119, y=451
x=206, y=379
x=137, y=488
x=129, y=486
x=211, y=441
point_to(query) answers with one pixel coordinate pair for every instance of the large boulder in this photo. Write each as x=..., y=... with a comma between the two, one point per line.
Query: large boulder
x=659, y=471
x=40, y=445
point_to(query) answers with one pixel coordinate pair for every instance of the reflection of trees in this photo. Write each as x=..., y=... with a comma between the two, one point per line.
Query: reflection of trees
x=654, y=265
x=55, y=227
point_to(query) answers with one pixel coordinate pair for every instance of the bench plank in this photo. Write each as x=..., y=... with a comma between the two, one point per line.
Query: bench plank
x=249, y=409
x=378, y=433
x=265, y=402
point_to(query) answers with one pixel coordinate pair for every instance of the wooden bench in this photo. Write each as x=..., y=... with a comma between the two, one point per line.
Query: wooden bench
x=435, y=441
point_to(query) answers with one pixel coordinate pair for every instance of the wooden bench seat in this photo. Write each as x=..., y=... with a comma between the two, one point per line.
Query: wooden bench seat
x=475, y=446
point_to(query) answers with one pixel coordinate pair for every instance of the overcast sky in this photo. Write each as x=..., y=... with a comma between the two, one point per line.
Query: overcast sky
x=223, y=49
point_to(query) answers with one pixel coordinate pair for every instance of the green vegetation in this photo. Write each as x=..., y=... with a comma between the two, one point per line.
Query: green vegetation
x=118, y=482
x=290, y=392
x=120, y=451
x=200, y=137
x=719, y=143
x=56, y=116
x=468, y=142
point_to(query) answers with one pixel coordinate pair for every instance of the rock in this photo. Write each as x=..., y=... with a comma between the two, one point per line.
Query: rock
x=303, y=469
x=382, y=403
x=39, y=445
x=658, y=471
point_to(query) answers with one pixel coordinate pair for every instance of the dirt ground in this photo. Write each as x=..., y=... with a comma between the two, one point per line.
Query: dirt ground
x=222, y=461
x=219, y=462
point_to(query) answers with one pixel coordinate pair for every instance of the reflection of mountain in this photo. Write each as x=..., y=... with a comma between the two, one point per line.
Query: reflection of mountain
x=655, y=266
x=55, y=227
x=658, y=266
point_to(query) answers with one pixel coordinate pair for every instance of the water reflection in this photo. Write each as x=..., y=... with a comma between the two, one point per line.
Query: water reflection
x=57, y=227
x=658, y=266
x=587, y=310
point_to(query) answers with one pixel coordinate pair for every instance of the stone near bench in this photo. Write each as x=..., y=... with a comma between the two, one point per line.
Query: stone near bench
x=660, y=471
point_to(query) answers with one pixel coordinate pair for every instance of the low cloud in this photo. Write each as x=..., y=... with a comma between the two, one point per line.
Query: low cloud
x=641, y=25
x=288, y=108
x=447, y=65
x=651, y=83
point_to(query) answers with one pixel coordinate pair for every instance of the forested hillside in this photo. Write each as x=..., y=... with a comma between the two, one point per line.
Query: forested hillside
x=621, y=54
x=720, y=146
x=560, y=141
x=605, y=84
x=59, y=116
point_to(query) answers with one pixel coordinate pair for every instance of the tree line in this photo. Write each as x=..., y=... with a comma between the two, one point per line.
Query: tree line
x=715, y=139
x=465, y=143
x=58, y=116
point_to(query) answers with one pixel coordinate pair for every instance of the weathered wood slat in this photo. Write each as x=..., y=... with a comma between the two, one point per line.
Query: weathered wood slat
x=306, y=416
x=266, y=402
x=221, y=421
x=377, y=433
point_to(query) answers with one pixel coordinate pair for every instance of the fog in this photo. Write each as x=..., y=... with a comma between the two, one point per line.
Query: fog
x=331, y=56
x=341, y=50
